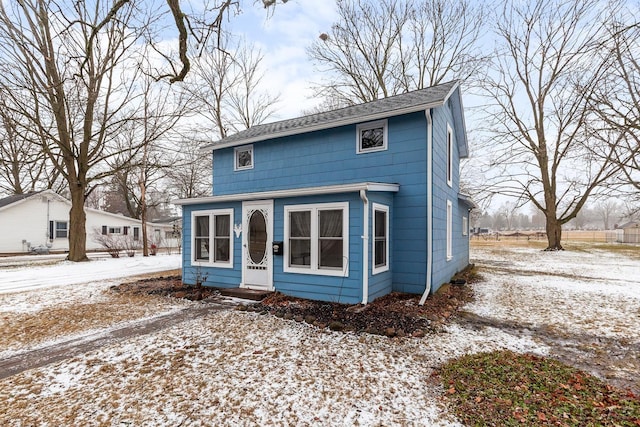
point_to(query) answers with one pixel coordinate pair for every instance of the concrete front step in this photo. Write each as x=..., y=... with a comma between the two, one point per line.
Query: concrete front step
x=244, y=293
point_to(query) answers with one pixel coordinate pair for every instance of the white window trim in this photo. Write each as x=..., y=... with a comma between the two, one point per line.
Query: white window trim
x=236, y=167
x=465, y=226
x=371, y=125
x=449, y=230
x=314, y=268
x=376, y=270
x=211, y=213
x=449, y=156
x=55, y=229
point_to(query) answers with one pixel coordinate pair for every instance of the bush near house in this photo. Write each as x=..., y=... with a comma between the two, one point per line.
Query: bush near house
x=116, y=243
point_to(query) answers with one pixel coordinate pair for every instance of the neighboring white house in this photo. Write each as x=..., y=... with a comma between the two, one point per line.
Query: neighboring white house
x=629, y=232
x=41, y=220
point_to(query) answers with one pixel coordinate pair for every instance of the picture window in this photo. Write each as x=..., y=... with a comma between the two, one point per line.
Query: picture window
x=317, y=239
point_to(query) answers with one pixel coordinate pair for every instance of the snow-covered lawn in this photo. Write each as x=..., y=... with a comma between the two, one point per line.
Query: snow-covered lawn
x=239, y=368
x=44, y=271
x=590, y=291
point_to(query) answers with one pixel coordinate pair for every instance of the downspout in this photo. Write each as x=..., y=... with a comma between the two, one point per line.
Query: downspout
x=427, y=288
x=365, y=246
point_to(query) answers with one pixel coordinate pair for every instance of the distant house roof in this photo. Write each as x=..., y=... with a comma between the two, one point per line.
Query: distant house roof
x=630, y=224
x=16, y=198
x=409, y=102
x=467, y=200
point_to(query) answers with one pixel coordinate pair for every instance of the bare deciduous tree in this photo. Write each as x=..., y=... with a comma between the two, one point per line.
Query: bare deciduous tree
x=541, y=79
x=24, y=167
x=227, y=87
x=616, y=101
x=606, y=210
x=65, y=69
x=191, y=176
x=144, y=164
x=378, y=49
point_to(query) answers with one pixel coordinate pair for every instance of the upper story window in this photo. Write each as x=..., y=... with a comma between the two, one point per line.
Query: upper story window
x=449, y=156
x=372, y=136
x=243, y=157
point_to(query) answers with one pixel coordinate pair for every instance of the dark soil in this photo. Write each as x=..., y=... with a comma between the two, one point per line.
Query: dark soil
x=396, y=314
x=171, y=286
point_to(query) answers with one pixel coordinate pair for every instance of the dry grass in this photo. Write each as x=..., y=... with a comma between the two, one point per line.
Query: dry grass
x=29, y=329
x=506, y=244
x=99, y=310
x=232, y=368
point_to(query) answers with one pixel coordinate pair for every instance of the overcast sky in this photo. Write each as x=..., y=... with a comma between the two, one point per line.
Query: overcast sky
x=283, y=35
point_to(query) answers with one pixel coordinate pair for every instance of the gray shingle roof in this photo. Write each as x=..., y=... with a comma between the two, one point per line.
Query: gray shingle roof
x=15, y=198
x=394, y=105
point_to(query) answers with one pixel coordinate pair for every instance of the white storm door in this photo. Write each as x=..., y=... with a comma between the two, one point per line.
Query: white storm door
x=257, y=240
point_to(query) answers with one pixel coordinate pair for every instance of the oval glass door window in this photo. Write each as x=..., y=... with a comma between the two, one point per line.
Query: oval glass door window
x=257, y=237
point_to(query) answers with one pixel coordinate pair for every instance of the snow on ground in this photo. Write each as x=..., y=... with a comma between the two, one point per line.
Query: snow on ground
x=239, y=368
x=587, y=292
x=235, y=368
x=27, y=276
x=39, y=294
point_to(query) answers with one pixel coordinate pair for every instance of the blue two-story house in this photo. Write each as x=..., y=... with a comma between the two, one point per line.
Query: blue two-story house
x=346, y=205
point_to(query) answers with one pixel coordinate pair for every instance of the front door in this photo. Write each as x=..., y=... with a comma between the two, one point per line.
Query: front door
x=257, y=238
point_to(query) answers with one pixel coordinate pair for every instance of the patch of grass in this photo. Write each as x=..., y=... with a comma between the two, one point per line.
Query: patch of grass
x=20, y=329
x=507, y=389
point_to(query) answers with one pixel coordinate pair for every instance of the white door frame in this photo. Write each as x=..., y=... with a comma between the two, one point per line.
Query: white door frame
x=257, y=276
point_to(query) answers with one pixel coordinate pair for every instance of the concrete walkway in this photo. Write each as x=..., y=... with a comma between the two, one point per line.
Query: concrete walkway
x=67, y=349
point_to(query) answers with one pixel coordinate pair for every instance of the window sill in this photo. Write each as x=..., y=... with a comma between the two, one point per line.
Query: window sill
x=317, y=272
x=371, y=150
x=378, y=270
x=211, y=264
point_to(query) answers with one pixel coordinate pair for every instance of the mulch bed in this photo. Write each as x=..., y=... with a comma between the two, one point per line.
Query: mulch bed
x=396, y=314
x=169, y=286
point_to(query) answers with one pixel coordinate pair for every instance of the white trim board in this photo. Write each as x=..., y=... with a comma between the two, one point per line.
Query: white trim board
x=294, y=192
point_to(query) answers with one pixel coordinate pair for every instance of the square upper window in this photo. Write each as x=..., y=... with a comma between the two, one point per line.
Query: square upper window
x=243, y=157
x=372, y=137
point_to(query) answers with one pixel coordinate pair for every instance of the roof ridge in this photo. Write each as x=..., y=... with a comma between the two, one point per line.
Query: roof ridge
x=384, y=107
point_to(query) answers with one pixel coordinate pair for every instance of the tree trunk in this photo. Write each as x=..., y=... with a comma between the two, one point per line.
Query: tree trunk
x=77, y=223
x=554, y=234
x=143, y=219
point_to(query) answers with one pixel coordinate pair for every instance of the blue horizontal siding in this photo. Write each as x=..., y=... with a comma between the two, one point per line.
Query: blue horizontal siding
x=346, y=290
x=329, y=157
x=444, y=269
x=218, y=277
x=326, y=157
